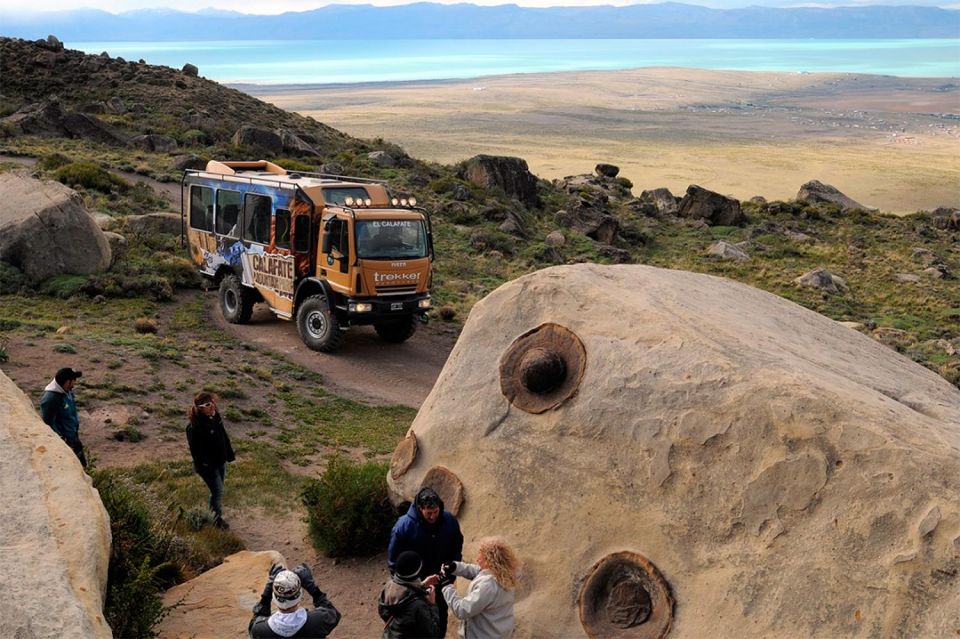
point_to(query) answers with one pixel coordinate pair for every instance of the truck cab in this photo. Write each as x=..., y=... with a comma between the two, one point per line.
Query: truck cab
x=326, y=251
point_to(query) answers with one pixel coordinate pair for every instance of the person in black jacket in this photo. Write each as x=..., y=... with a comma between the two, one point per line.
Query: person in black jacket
x=408, y=609
x=285, y=589
x=210, y=448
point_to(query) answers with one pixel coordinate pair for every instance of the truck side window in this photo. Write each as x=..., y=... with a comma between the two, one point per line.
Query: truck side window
x=257, y=211
x=201, y=208
x=228, y=212
x=281, y=233
x=338, y=236
x=301, y=234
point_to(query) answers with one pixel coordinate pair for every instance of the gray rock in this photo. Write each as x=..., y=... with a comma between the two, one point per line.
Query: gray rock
x=938, y=272
x=727, y=251
x=188, y=161
x=906, y=278
x=796, y=236
x=507, y=173
x=460, y=193
x=758, y=199
x=590, y=217
x=816, y=192
x=665, y=201
x=46, y=231
x=154, y=143
x=293, y=143
x=190, y=70
x=513, y=224
x=202, y=122
x=824, y=280
x=52, y=43
x=103, y=221
x=607, y=170
x=93, y=107
x=925, y=257
x=614, y=254
x=715, y=209
x=382, y=159
x=43, y=118
x=258, y=137
x=116, y=105
x=555, y=238
x=332, y=168
x=152, y=223
x=946, y=219
x=118, y=245
x=88, y=127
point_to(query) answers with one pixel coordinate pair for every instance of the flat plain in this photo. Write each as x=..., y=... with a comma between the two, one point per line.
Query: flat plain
x=888, y=142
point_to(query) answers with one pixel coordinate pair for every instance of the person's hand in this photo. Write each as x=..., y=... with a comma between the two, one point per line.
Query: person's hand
x=431, y=581
x=448, y=568
x=431, y=595
x=306, y=577
x=275, y=570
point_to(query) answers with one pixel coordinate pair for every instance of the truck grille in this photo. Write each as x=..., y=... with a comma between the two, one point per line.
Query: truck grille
x=396, y=290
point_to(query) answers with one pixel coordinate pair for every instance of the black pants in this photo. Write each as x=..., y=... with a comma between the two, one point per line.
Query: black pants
x=214, y=477
x=77, y=446
x=442, y=609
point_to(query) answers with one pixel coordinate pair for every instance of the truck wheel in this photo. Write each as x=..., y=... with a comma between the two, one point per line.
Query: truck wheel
x=317, y=325
x=398, y=330
x=236, y=300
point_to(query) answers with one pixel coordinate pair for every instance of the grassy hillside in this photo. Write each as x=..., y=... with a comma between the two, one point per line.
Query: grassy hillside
x=872, y=252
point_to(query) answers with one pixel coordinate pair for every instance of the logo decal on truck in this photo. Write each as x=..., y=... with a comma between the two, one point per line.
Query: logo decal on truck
x=271, y=271
x=399, y=278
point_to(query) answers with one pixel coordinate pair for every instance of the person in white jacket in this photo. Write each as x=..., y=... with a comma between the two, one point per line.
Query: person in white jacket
x=486, y=612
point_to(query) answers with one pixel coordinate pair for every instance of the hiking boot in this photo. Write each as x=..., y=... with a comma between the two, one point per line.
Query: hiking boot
x=221, y=524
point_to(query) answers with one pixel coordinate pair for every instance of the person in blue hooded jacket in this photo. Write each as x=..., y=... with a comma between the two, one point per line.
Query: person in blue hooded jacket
x=58, y=408
x=431, y=532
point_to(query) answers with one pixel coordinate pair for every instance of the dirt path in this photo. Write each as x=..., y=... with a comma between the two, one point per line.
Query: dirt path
x=365, y=368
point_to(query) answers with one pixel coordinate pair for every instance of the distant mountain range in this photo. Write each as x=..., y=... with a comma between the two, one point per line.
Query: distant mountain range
x=429, y=21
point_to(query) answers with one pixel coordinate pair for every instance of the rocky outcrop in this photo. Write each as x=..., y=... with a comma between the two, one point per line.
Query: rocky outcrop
x=590, y=216
x=665, y=201
x=45, y=230
x=507, y=173
x=677, y=477
x=82, y=125
x=263, y=139
x=727, y=251
x=946, y=219
x=607, y=170
x=154, y=143
x=293, y=143
x=816, y=192
x=218, y=602
x=150, y=223
x=43, y=118
x=824, y=280
x=190, y=70
x=715, y=209
x=381, y=159
x=54, y=532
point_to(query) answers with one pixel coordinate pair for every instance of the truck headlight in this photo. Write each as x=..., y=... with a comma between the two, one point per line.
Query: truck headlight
x=361, y=307
x=424, y=303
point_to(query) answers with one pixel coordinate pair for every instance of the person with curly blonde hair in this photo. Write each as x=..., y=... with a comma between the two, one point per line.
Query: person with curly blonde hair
x=486, y=611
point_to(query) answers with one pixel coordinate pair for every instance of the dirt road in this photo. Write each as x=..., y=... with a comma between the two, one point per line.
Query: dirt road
x=365, y=368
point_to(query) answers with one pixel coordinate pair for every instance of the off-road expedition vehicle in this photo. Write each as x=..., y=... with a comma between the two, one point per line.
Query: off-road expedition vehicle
x=327, y=250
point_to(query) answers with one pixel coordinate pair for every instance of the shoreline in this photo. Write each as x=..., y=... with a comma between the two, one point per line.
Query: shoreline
x=887, y=141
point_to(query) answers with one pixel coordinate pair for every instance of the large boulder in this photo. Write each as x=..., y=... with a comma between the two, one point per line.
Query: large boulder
x=54, y=532
x=155, y=143
x=82, y=125
x=258, y=137
x=678, y=453
x=714, y=208
x=45, y=230
x=590, y=216
x=507, y=173
x=41, y=118
x=293, y=143
x=218, y=602
x=152, y=223
x=816, y=192
x=665, y=201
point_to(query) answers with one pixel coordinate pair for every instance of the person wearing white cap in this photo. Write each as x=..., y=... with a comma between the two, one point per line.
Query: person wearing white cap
x=284, y=588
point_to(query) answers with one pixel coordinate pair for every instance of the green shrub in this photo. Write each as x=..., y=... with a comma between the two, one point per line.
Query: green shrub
x=91, y=176
x=348, y=508
x=291, y=164
x=483, y=240
x=53, y=161
x=4, y=355
x=12, y=280
x=65, y=348
x=64, y=286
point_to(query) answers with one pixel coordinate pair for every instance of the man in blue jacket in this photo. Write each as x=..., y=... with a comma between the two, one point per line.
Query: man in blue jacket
x=58, y=407
x=431, y=532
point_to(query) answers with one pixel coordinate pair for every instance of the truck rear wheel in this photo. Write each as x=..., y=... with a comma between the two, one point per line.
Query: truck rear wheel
x=318, y=325
x=236, y=300
x=398, y=330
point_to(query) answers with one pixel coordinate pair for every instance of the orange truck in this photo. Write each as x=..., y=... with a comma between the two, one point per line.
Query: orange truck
x=327, y=251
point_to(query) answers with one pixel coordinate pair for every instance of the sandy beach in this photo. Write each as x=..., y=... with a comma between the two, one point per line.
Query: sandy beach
x=888, y=142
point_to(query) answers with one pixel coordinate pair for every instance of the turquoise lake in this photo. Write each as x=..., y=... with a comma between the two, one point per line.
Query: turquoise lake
x=355, y=61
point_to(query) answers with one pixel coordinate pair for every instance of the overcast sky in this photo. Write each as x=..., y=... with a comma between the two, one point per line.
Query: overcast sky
x=282, y=6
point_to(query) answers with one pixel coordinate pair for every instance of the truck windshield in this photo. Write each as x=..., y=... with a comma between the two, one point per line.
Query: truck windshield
x=391, y=239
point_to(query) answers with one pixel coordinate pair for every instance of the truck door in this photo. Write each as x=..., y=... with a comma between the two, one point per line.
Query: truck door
x=334, y=259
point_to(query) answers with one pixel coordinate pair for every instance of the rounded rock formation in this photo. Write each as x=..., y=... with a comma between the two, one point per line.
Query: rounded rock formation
x=783, y=475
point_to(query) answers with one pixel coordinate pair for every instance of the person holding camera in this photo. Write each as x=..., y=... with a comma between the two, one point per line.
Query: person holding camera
x=434, y=534
x=285, y=589
x=486, y=612
x=407, y=607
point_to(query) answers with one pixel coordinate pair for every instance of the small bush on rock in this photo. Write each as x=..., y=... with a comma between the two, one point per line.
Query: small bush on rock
x=90, y=176
x=348, y=508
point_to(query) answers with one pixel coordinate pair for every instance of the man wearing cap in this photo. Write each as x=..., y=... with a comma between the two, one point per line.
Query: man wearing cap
x=407, y=607
x=432, y=533
x=58, y=407
x=285, y=589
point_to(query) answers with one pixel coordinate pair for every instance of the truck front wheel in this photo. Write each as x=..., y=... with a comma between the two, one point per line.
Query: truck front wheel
x=397, y=331
x=236, y=300
x=318, y=325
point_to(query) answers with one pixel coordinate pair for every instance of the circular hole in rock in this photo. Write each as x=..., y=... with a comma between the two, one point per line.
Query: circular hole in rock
x=624, y=596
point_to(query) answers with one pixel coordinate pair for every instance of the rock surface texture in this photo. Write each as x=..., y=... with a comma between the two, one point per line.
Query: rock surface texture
x=54, y=532
x=816, y=192
x=45, y=230
x=218, y=602
x=740, y=467
x=508, y=173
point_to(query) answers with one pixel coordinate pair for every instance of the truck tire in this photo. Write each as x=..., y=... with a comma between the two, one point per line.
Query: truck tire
x=318, y=325
x=236, y=300
x=397, y=331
